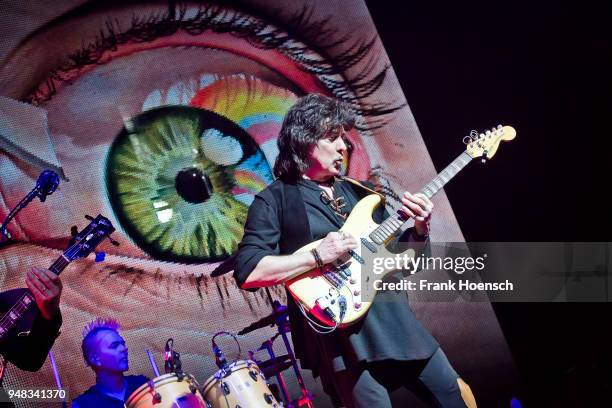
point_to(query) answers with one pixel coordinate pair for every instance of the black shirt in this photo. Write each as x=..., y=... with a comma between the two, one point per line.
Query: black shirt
x=390, y=329
x=93, y=398
x=29, y=352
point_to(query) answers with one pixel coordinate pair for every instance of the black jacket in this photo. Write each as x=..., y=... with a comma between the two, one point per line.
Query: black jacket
x=278, y=224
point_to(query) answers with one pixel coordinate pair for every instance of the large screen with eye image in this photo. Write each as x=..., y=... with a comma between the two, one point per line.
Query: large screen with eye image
x=163, y=117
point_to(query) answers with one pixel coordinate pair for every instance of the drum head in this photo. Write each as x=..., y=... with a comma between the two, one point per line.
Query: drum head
x=167, y=391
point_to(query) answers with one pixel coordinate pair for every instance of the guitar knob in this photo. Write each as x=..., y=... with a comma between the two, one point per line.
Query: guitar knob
x=356, y=292
x=357, y=305
x=352, y=281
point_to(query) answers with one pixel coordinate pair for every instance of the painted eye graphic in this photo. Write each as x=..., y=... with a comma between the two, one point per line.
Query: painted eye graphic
x=180, y=180
x=201, y=134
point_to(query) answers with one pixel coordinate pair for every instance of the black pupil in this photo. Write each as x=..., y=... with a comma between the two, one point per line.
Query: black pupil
x=193, y=185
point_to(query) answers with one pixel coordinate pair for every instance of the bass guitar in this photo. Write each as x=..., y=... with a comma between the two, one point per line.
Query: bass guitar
x=17, y=320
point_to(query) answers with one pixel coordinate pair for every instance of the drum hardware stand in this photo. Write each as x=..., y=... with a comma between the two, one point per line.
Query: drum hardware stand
x=268, y=345
x=305, y=397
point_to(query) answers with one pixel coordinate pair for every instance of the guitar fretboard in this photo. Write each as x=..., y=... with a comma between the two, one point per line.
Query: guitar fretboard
x=393, y=224
x=83, y=243
x=19, y=308
x=446, y=175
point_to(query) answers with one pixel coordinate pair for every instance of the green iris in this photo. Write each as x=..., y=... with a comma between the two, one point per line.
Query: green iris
x=171, y=184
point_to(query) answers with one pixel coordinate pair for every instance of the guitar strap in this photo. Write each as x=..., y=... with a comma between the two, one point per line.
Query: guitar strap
x=359, y=184
x=295, y=229
x=293, y=219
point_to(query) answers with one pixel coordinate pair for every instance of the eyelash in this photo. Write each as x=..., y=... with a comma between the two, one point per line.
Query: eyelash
x=257, y=33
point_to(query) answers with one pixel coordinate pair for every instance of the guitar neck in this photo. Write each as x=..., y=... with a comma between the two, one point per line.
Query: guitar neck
x=83, y=243
x=23, y=304
x=395, y=222
x=446, y=175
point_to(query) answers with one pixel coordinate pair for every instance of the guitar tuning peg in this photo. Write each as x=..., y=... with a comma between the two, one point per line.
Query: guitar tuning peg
x=89, y=217
x=112, y=241
x=73, y=232
x=483, y=159
x=100, y=256
x=499, y=127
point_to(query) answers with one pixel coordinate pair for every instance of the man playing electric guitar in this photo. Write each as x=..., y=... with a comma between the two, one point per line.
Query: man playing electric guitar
x=389, y=347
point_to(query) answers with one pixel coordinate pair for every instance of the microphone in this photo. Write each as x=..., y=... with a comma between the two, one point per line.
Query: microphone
x=47, y=183
x=220, y=359
x=172, y=359
x=168, y=357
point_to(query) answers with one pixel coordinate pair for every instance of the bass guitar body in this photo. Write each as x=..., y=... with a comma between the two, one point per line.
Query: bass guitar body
x=22, y=326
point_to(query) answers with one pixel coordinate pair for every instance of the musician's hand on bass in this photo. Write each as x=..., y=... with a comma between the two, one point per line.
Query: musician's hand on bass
x=334, y=245
x=47, y=289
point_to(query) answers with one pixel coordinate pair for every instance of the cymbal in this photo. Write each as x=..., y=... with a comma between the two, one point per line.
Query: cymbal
x=268, y=320
x=275, y=365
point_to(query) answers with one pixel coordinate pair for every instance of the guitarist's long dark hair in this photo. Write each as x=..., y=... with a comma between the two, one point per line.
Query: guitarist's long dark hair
x=307, y=121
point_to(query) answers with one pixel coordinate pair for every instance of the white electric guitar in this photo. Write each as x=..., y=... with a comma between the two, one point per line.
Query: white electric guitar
x=332, y=295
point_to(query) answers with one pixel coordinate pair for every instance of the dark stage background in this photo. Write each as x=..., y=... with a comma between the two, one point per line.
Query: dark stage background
x=544, y=68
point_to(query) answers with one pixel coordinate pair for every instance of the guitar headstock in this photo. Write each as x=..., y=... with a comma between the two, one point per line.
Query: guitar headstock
x=485, y=144
x=85, y=241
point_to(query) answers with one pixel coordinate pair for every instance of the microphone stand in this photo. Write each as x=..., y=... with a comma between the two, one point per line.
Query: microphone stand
x=46, y=184
x=20, y=206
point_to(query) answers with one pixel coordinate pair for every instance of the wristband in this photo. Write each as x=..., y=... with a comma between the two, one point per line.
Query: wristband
x=317, y=257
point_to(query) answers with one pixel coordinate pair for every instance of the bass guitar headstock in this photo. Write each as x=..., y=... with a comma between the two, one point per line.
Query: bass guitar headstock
x=85, y=241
